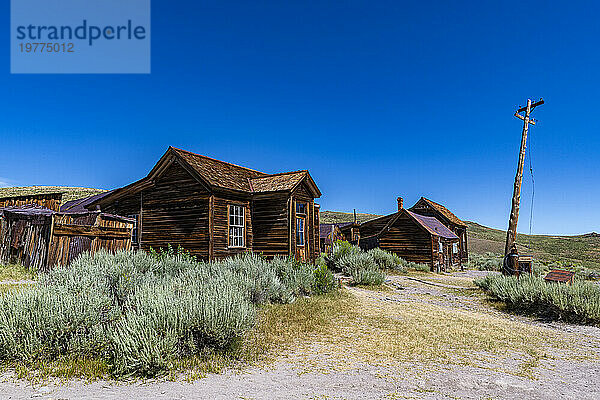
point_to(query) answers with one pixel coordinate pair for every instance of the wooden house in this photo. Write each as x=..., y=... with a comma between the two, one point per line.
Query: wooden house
x=430, y=208
x=40, y=238
x=413, y=237
x=328, y=235
x=215, y=209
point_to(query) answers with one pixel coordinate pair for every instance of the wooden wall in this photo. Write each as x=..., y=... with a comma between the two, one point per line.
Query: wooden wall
x=42, y=241
x=50, y=201
x=409, y=241
x=25, y=239
x=271, y=230
x=311, y=229
x=73, y=234
x=220, y=225
x=175, y=211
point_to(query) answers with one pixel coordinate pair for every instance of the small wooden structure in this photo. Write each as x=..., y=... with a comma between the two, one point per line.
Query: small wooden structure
x=51, y=201
x=328, y=235
x=560, y=276
x=432, y=209
x=41, y=238
x=411, y=236
x=215, y=209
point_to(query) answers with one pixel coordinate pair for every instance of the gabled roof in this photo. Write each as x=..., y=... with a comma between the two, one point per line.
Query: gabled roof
x=442, y=210
x=216, y=174
x=430, y=224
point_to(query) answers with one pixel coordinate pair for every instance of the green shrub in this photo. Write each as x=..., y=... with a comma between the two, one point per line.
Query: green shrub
x=386, y=260
x=579, y=302
x=362, y=268
x=341, y=249
x=139, y=311
x=324, y=281
x=485, y=262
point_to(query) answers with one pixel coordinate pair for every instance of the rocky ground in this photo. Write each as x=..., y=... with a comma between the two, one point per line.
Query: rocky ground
x=343, y=365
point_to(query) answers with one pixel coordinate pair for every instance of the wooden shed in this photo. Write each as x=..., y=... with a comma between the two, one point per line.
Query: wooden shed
x=414, y=237
x=328, y=235
x=215, y=209
x=41, y=238
x=430, y=208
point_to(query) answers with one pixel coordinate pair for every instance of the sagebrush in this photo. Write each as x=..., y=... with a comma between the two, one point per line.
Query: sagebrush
x=579, y=302
x=140, y=312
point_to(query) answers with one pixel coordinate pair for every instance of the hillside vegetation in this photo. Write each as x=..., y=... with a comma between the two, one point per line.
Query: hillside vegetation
x=69, y=193
x=578, y=250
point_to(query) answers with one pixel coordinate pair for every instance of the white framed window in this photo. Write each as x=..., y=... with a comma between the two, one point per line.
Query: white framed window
x=134, y=232
x=441, y=246
x=237, y=226
x=300, y=231
x=455, y=248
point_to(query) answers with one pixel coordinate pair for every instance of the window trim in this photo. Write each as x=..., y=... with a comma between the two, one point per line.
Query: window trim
x=229, y=226
x=135, y=229
x=303, y=203
x=303, y=230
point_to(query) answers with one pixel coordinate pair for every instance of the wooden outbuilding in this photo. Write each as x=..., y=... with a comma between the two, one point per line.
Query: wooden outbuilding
x=215, y=209
x=40, y=238
x=430, y=208
x=328, y=235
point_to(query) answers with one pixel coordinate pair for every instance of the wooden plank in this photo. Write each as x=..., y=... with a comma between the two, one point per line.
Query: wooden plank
x=94, y=231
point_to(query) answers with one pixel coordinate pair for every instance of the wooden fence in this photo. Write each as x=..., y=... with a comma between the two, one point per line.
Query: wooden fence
x=41, y=239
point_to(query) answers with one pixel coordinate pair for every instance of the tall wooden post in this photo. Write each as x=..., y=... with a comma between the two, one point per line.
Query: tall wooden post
x=511, y=234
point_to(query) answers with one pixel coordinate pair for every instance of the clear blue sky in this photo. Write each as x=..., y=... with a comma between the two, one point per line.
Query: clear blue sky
x=376, y=99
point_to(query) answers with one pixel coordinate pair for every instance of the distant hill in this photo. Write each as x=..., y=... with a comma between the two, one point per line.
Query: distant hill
x=336, y=217
x=69, y=193
x=580, y=249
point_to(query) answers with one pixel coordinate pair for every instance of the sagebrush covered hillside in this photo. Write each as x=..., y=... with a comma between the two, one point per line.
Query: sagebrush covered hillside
x=69, y=193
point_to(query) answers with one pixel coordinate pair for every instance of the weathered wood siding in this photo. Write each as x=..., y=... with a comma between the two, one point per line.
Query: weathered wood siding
x=307, y=252
x=73, y=234
x=42, y=241
x=24, y=240
x=174, y=210
x=220, y=231
x=409, y=241
x=270, y=224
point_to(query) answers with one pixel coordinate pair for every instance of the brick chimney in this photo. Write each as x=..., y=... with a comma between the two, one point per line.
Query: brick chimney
x=400, y=203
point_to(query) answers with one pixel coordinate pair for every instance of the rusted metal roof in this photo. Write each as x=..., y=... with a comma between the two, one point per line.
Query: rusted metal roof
x=559, y=275
x=433, y=225
x=79, y=205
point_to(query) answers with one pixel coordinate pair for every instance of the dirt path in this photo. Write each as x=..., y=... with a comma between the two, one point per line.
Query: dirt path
x=376, y=353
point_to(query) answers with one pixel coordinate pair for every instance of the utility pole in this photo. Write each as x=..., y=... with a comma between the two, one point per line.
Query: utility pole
x=511, y=234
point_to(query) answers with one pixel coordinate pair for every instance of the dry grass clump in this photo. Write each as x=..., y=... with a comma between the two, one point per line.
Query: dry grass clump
x=15, y=272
